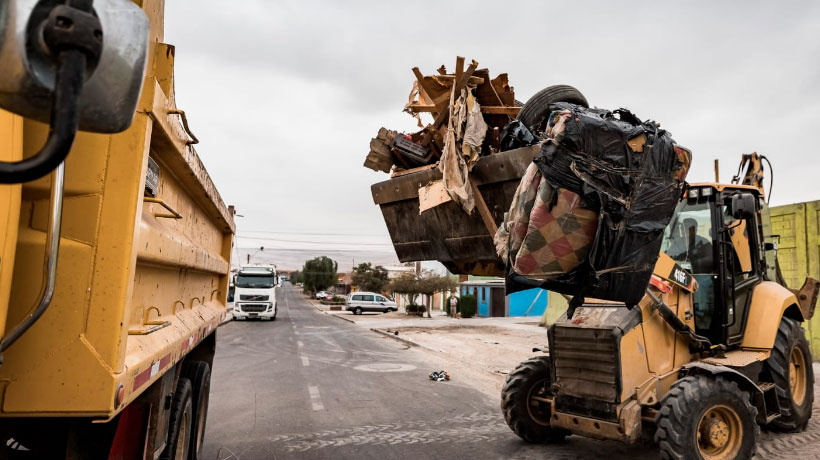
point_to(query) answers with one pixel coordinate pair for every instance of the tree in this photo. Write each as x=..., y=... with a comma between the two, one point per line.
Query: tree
x=368, y=278
x=425, y=282
x=319, y=274
x=296, y=277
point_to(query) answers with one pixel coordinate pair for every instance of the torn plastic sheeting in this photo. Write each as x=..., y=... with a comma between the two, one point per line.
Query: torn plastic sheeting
x=516, y=135
x=627, y=171
x=455, y=169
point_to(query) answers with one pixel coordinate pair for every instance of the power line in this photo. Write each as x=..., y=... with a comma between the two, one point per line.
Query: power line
x=311, y=242
x=313, y=233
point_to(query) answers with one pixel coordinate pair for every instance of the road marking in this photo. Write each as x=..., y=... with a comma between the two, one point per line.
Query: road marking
x=305, y=361
x=300, y=343
x=314, y=394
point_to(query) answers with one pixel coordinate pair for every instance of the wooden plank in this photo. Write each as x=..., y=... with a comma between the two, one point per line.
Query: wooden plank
x=492, y=109
x=414, y=170
x=448, y=79
x=500, y=110
x=432, y=195
x=459, y=68
x=483, y=210
x=445, y=114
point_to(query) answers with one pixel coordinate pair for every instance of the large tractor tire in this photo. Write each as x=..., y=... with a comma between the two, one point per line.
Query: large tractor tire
x=526, y=416
x=535, y=111
x=178, y=444
x=706, y=418
x=791, y=371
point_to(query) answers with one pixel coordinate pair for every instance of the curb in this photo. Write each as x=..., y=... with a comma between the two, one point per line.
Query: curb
x=399, y=339
x=340, y=317
x=336, y=316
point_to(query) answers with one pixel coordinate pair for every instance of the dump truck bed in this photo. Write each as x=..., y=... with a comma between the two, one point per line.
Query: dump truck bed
x=141, y=279
x=446, y=233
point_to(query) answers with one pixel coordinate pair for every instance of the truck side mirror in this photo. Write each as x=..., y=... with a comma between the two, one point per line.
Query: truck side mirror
x=743, y=206
x=72, y=66
x=112, y=84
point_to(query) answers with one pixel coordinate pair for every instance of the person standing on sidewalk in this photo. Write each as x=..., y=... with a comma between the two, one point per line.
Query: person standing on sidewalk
x=453, y=306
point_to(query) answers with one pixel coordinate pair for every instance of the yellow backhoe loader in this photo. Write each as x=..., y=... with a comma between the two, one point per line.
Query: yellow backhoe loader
x=714, y=350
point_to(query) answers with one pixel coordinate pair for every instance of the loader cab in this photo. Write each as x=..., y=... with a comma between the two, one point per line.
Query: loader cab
x=715, y=235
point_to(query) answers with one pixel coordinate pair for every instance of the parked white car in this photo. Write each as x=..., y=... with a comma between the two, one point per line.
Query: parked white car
x=321, y=295
x=359, y=302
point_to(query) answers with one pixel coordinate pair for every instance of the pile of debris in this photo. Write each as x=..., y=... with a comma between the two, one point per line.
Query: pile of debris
x=577, y=198
x=469, y=111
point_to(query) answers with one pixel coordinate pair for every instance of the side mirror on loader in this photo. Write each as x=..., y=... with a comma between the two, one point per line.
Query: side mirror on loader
x=75, y=64
x=743, y=206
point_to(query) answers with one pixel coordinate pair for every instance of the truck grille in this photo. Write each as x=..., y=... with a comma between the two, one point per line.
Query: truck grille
x=256, y=297
x=253, y=308
x=586, y=362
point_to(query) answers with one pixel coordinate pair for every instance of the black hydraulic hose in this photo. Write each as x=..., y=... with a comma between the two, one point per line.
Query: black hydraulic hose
x=71, y=66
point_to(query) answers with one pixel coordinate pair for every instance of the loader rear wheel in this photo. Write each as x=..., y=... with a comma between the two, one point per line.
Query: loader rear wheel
x=523, y=401
x=178, y=443
x=536, y=110
x=199, y=373
x=789, y=367
x=706, y=418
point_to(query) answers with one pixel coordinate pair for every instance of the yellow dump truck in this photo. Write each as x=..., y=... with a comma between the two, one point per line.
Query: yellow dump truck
x=115, y=248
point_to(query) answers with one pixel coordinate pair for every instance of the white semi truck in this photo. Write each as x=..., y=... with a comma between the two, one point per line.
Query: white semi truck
x=255, y=292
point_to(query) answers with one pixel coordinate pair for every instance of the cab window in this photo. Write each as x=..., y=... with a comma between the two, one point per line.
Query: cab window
x=689, y=240
x=380, y=299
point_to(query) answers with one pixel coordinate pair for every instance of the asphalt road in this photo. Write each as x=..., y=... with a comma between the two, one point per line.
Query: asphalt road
x=311, y=386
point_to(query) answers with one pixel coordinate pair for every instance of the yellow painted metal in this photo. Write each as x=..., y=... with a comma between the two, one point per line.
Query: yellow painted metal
x=769, y=301
x=123, y=271
x=11, y=149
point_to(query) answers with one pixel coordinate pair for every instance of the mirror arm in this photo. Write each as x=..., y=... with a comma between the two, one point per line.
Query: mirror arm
x=63, y=127
x=74, y=35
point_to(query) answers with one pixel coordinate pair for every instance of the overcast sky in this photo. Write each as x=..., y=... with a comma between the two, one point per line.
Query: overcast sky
x=285, y=95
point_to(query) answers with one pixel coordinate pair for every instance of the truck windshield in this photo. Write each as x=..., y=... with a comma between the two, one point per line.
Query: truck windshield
x=254, y=281
x=688, y=238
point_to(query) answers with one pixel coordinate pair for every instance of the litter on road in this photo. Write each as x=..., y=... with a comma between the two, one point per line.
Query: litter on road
x=439, y=376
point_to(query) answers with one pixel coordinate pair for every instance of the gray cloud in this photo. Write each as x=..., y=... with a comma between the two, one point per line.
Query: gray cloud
x=286, y=95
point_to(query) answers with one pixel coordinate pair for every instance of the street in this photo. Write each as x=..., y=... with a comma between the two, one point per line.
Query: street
x=310, y=386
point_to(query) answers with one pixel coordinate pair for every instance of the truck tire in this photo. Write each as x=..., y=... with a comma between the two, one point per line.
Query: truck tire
x=178, y=444
x=790, y=369
x=530, y=422
x=706, y=417
x=357, y=311
x=199, y=373
x=536, y=110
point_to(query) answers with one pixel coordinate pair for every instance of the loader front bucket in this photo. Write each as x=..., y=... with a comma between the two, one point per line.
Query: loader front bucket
x=446, y=233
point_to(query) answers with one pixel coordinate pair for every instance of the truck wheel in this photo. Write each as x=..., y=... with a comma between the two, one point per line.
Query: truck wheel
x=537, y=108
x=528, y=417
x=357, y=311
x=790, y=369
x=179, y=425
x=706, y=418
x=199, y=373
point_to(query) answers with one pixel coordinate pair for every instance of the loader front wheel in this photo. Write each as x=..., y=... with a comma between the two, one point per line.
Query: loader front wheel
x=706, y=418
x=789, y=367
x=524, y=401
